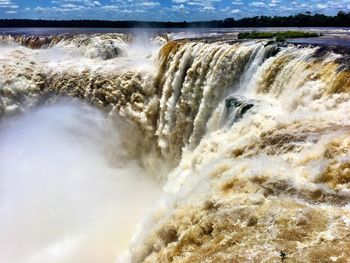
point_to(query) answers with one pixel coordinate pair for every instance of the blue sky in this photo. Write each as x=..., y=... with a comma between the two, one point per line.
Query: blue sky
x=163, y=10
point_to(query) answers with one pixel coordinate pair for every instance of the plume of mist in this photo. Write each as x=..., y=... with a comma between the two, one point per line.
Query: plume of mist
x=63, y=196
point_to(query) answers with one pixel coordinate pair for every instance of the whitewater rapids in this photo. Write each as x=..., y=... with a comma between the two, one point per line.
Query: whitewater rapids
x=256, y=135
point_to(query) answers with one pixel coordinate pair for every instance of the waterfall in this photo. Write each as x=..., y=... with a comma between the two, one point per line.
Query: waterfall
x=256, y=134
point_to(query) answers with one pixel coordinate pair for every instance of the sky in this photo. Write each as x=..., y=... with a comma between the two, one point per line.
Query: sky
x=163, y=10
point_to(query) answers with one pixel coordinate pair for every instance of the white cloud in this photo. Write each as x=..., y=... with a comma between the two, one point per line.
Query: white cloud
x=321, y=6
x=204, y=4
x=208, y=8
x=236, y=11
x=258, y=4
x=8, y=4
x=178, y=7
x=274, y=3
x=150, y=4
x=237, y=2
x=178, y=10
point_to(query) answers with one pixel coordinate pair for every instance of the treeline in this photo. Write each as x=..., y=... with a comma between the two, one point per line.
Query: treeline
x=342, y=19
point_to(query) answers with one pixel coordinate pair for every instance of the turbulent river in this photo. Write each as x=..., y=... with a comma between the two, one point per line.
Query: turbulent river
x=121, y=147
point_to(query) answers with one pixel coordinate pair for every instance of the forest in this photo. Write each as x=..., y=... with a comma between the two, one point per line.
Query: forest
x=342, y=19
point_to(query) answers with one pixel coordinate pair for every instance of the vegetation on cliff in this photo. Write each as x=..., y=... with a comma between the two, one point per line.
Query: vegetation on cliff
x=279, y=36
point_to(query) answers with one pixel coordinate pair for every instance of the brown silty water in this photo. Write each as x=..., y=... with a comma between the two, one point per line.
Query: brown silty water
x=256, y=133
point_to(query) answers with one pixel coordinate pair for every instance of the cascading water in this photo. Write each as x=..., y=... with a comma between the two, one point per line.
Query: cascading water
x=257, y=134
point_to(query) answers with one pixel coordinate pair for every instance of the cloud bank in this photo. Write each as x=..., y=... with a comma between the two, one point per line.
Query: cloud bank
x=164, y=10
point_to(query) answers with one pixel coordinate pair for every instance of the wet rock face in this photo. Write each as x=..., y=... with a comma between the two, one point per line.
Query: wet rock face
x=106, y=50
x=236, y=107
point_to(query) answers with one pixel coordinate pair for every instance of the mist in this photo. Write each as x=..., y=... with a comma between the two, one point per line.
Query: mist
x=68, y=191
